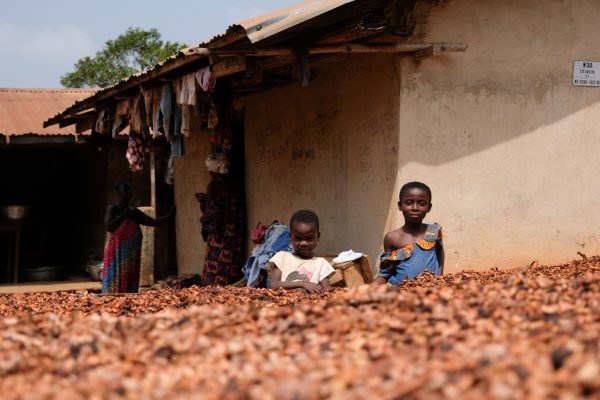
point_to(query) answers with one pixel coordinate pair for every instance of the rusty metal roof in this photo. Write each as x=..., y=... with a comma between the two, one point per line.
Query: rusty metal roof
x=266, y=25
x=255, y=29
x=340, y=21
x=23, y=111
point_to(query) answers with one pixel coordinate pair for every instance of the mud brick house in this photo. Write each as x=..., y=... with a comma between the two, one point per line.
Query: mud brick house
x=336, y=104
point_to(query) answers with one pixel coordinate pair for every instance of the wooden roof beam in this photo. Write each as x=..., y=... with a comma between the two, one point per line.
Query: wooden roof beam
x=350, y=34
x=76, y=118
x=237, y=64
x=277, y=61
x=228, y=66
x=85, y=125
x=346, y=48
x=433, y=50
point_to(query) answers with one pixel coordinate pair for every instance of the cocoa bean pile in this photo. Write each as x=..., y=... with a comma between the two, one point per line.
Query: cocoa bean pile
x=528, y=333
x=66, y=303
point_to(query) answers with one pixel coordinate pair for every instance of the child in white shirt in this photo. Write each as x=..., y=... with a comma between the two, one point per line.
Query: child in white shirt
x=301, y=270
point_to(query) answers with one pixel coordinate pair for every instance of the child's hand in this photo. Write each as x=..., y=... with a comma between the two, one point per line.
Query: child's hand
x=312, y=287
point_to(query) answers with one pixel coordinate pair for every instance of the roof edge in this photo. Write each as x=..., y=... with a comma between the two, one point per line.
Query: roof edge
x=269, y=24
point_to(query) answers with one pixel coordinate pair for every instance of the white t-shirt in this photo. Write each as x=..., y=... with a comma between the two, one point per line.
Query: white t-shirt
x=294, y=268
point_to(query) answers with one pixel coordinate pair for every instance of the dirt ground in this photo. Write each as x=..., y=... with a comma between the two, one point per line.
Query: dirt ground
x=528, y=333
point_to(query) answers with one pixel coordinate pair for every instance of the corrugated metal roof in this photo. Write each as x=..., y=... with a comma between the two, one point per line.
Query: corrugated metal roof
x=254, y=29
x=266, y=25
x=23, y=111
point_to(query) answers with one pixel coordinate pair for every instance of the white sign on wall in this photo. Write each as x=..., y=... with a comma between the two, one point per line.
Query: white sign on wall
x=586, y=73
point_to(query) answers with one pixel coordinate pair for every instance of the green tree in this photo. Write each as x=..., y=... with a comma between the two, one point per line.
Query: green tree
x=133, y=51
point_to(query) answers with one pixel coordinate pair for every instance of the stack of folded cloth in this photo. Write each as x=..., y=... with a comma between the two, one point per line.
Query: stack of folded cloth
x=347, y=256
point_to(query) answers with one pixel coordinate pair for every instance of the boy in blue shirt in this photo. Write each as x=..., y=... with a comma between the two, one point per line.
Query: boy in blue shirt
x=416, y=246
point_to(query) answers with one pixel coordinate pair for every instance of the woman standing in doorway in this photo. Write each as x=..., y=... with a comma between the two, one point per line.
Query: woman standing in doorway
x=122, y=254
x=222, y=224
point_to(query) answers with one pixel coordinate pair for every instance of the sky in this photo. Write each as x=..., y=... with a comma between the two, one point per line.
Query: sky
x=41, y=40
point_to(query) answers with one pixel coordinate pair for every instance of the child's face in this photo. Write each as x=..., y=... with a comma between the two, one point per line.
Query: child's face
x=305, y=237
x=415, y=204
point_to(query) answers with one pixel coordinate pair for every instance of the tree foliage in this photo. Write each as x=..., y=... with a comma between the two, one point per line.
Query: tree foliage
x=133, y=51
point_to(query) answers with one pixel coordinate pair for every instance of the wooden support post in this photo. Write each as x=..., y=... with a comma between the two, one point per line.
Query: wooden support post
x=149, y=232
x=152, y=178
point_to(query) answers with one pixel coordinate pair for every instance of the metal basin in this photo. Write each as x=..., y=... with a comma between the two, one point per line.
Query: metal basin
x=15, y=213
x=96, y=270
x=45, y=273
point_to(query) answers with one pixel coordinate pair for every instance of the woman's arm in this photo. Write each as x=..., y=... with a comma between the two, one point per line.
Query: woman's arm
x=276, y=282
x=147, y=220
x=112, y=220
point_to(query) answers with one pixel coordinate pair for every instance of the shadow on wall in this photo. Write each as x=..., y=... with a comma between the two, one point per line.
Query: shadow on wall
x=331, y=147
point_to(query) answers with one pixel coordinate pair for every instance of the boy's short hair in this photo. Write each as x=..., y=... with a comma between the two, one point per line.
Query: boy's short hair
x=306, y=216
x=414, y=185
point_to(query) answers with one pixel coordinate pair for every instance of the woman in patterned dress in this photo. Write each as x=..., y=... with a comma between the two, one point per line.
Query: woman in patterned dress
x=222, y=221
x=122, y=253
